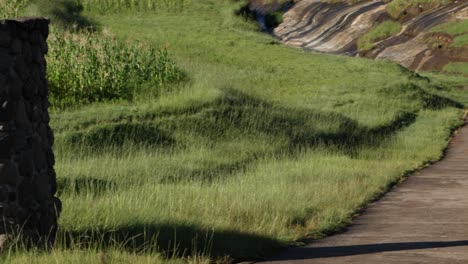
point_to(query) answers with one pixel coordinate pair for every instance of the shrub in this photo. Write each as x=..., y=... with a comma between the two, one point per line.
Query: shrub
x=273, y=19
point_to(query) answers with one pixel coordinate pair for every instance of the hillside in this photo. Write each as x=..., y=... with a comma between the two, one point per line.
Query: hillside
x=260, y=145
x=420, y=35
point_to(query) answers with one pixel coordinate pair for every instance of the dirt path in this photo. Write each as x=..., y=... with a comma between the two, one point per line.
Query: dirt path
x=424, y=220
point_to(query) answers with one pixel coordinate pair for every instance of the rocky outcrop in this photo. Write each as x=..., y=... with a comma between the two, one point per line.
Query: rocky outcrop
x=336, y=27
x=27, y=178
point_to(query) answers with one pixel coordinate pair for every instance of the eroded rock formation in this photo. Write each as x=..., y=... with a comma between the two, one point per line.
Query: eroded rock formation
x=336, y=27
x=27, y=178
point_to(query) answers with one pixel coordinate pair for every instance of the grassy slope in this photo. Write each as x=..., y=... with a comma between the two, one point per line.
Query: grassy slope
x=378, y=32
x=265, y=145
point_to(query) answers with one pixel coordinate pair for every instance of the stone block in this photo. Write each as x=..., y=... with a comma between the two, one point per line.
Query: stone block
x=43, y=44
x=35, y=37
x=36, y=114
x=8, y=173
x=27, y=52
x=16, y=46
x=5, y=38
x=22, y=68
x=21, y=118
x=19, y=141
x=6, y=62
x=4, y=127
x=15, y=85
x=3, y=86
x=26, y=164
x=7, y=109
x=37, y=55
x=6, y=145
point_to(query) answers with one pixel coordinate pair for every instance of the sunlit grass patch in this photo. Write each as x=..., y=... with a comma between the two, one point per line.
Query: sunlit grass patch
x=457, y=67
x=378, y=32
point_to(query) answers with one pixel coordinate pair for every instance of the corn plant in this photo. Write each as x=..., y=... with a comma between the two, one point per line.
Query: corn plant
x=11, y=8
x=105, y=6
x=85, y=67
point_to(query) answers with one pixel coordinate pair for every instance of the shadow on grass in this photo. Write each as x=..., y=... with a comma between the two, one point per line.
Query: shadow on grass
x=171, y=240
x=302, y=128
x=118, y=134
x=66, y=14
x=84, y=186
x=239, y=114
x=305, y=253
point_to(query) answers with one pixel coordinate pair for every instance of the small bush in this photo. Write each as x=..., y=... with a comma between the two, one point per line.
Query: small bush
x=272, y=20
x=87, y=67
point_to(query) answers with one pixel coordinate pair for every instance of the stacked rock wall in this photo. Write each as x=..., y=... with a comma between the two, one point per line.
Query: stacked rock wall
x=27, y=178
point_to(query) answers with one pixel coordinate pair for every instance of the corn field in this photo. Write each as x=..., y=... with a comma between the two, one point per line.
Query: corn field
x=85, y=67
x=11, y=8
x=104, y=6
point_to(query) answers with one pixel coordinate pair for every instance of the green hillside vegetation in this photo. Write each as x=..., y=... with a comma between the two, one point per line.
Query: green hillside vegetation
x=251, y=147
x=396, y=8
x=457, y=29
x=457, y=67
x=378, y=32
x=452, y=28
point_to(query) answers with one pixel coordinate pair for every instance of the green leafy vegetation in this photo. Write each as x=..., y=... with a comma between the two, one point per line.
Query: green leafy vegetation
x=85, y=67
x=460, y=41
x=11, y=8
x=396, y=8
x=108, y=6
x=273, y=19
x=452, y=28
x=378, y=32
x=262, y=146
x=457, y=29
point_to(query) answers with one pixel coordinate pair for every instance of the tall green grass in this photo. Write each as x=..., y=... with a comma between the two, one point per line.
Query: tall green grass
x=457, y=67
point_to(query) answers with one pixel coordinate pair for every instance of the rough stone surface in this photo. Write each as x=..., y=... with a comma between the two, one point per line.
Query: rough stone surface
x=424, y=220
x=27, y=179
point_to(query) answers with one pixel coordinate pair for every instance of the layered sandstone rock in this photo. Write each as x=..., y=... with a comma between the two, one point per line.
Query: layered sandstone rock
x=336, y=27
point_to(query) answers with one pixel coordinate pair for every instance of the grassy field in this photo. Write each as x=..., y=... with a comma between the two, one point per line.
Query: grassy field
x=457, y=67
x=261, y=146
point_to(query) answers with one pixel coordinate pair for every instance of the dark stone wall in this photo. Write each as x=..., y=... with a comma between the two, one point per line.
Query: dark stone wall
x=27, y=177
